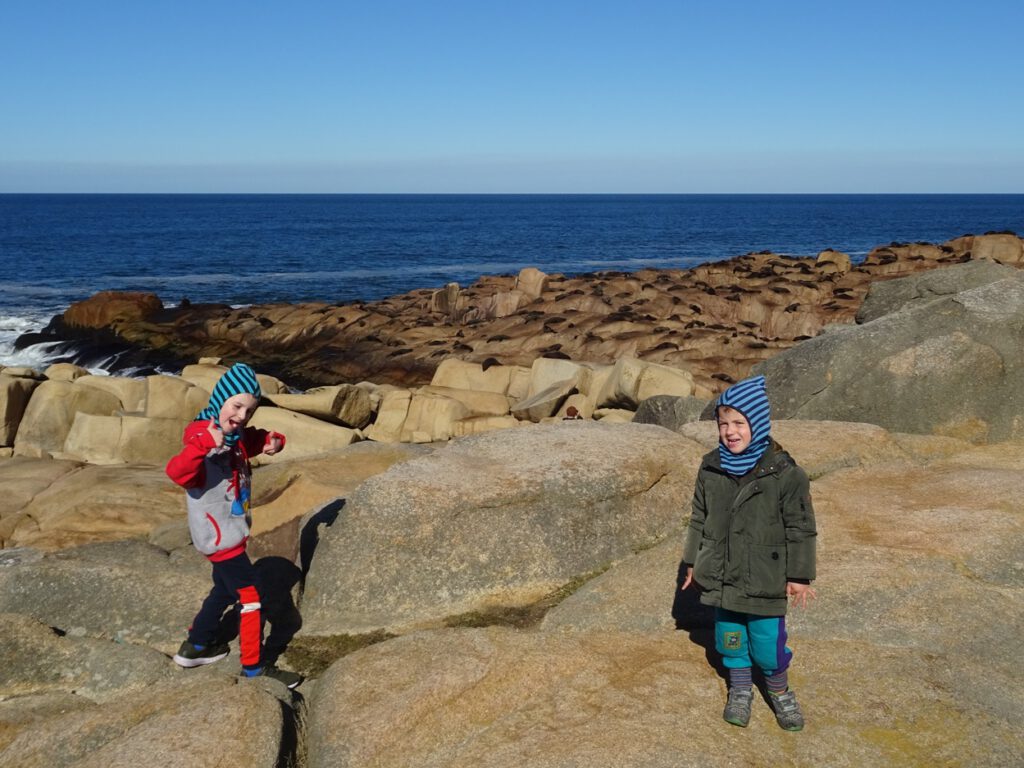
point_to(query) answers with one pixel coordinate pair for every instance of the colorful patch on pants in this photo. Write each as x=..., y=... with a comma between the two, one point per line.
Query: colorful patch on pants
x=732, y=641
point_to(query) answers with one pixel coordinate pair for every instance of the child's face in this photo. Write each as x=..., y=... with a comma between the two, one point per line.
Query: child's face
x=236, y=412
x=733, y=429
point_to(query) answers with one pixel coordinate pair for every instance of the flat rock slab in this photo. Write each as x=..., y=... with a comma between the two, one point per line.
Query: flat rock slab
x=497, y=697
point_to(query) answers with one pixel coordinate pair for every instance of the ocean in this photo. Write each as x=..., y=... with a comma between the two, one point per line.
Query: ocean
x=249, y=249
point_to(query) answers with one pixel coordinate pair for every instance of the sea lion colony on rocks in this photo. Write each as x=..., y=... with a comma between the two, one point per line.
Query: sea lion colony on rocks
x=520, y=585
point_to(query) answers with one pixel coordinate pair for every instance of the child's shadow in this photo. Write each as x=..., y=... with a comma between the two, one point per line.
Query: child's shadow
x=697, y=619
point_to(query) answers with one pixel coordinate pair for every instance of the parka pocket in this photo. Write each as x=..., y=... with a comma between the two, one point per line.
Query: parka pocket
x=767, y=570
x=709, y=565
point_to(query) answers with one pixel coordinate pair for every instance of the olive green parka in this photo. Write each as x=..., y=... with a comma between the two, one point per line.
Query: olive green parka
x=748, y=536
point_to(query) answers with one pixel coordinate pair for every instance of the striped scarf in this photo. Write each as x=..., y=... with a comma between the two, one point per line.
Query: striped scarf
x=238, y=379
x=750, y=399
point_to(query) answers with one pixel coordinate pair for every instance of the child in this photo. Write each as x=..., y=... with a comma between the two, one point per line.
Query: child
x=750, y=545
x=213, y=467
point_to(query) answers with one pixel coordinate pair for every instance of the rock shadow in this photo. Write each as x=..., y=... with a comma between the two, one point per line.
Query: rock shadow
x=696, y=619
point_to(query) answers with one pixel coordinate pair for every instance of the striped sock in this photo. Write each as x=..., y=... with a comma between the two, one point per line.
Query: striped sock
x=777, y=683
x=740, y=677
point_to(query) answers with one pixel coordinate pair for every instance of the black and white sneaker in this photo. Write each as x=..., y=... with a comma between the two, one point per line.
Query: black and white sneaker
x=190, y=656
x=290, y=679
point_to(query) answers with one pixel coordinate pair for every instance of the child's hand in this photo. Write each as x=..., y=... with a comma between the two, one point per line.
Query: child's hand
x=274, y=444
x=801, y=593
x=215, y=433
x=689, y=579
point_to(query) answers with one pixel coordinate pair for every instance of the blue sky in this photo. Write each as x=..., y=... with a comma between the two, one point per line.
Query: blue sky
x=388, y=96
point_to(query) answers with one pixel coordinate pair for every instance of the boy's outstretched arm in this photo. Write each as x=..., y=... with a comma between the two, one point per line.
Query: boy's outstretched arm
x=186, y=468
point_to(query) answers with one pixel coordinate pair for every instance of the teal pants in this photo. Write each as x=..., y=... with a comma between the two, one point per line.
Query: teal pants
x=744, y=639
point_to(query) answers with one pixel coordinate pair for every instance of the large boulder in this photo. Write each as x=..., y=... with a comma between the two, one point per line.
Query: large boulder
x=886, y=296
x=391, y=415
x=171, y=397
x=126, y=591
x=51, y=412
x=108, y=308
x=495, y=519
x=49, y=662
x=952, y=366
x=123, y=439
x=88, y=504
x=306, y=436
x=15, y=392
x=670, y=411
x=343, y=404
x=193, y=722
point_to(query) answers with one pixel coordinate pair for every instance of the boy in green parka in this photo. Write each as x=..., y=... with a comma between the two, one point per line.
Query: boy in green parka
x=750, y=547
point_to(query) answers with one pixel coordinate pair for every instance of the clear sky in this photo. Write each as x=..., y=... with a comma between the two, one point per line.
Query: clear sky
x=524, y=96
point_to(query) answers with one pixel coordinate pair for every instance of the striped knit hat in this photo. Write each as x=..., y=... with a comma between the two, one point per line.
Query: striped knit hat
x=750, y=399
x=237, y=379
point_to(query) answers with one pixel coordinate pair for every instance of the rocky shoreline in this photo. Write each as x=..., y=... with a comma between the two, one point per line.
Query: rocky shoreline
x=716, y=320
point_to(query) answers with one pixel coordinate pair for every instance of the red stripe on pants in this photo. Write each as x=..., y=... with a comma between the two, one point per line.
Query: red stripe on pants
x=250, y=629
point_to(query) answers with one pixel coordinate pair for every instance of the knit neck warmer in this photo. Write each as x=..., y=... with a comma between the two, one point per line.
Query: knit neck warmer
x=238, y=379
x=750, y=399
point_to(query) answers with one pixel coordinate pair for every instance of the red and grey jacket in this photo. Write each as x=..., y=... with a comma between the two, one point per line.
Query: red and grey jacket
x=216, y=483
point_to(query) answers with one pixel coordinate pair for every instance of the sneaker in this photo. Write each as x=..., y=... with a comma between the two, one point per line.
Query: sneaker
x=290, y=679
x=737, y=708
x=787, y=711
x=190, y=656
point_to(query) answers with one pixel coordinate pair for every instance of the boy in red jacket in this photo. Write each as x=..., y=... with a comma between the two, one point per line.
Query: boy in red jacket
x=213, y=468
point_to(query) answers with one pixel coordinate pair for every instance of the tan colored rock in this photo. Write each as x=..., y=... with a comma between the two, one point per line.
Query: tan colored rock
x=22, y=372
x=544, y=403
x=98, y=503
x=15, y=392
x=343, y=404
x=614, y=415
x=633, y=381
x=305, y=435
x=477, y=403
x=93, y=439
x=287, y=491
x=22, y=479
x=431, y=417
x=171, y=397
x=65, y=372
x=532, y=282
x=131, y=392
x=206, y=375
x=51, y=412
x=168, y=724
x=459, y=374
x=546, y=371
x=1006, y=249
x=476, y=425
x=446, y=300
x=394, y=408
x=830, y=261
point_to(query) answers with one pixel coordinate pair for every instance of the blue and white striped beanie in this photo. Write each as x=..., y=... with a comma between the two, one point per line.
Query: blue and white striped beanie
x=749, y=398
x=237, y=379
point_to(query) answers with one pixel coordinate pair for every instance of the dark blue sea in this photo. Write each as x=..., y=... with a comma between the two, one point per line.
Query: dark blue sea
x=242, y=249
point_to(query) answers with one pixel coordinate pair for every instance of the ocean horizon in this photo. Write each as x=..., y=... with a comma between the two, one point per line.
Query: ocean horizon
x=252, y=248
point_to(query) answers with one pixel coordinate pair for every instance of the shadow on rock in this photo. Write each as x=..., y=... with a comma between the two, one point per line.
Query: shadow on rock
x=697, y=619
x=310, y=536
